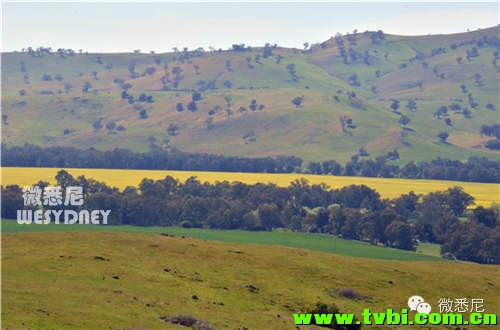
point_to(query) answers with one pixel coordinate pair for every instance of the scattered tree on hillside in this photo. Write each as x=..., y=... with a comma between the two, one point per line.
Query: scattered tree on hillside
x=394, y=105
x=353, y=80
x=97, y=124
x=443, y=136
x=472, y=53
x=86, y=86
x=467, y=113
x=290, y=68
x=143, y=114
x=441, y=111
x=197, y=69
x=478, y=79
x=404, y=120
x=472, y=103
x=111, y=125
x=179, y=107
x=150, y=70
x=192, y=106
x=173, y=129
x=411, y=105
x=493, y=144
x=249, y=62
x=297, y=101
x=196, y=96
x=253, y=105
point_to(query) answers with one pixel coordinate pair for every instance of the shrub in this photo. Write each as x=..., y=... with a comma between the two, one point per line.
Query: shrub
x=187, y=321
x=351, y=293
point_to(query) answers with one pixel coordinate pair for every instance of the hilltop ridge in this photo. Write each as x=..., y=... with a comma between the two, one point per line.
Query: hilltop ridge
x=362, y=94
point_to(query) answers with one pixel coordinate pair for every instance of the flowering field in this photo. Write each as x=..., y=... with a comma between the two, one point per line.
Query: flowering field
x=484, y=193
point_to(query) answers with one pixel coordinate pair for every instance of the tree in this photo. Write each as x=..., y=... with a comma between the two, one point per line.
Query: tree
x=12, y=200
x=110, y=125
x=412, y=105
x=443, y=136
x=143, y=114
x=97, y=124
x=458, y=200
x=179, y=107
x=298, y=101
x=448, y=122
x=86, y=86
x=67, y=87
x=196, y=96
x=353, y=80
x=399, y=235
x=490, y=106
x=22, y=92
x=478, y=79
x=172, y=129
x=192, y=106
x=253, y=105
x=485, y=216
x=465, y=242
x=4, y=119
x=404, y=120
x=150, y=70
x=269, y=216
x=395, y=105
x=290, y=68
x=467, y=113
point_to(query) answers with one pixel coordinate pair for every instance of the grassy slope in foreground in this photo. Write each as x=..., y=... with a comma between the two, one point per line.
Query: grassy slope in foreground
x=316, y=242
x=53, y=280
x=484, y=193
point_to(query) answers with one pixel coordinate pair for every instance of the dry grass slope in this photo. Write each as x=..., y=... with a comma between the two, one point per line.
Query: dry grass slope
x=94, y=280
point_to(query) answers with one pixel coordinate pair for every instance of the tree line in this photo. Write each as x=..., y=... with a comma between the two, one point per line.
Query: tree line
x=353, y=212
x=474, y=169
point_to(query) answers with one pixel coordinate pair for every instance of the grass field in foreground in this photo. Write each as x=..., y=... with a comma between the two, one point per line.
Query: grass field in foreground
x=316, y=242
x=53, y=280
x=484, y=193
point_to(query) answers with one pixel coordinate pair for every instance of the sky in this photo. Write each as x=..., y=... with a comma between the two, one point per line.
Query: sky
x=125, y=26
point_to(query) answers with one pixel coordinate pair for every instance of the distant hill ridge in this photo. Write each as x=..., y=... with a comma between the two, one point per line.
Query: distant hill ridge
x=362, y=94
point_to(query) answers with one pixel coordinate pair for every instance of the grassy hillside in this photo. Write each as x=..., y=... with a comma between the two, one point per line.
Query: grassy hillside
x=58, y=110
x=485, y=194
x=83, y=280
x=316, y=242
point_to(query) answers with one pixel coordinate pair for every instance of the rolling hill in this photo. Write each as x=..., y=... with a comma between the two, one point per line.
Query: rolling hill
x=92, y=280
x=239, y=101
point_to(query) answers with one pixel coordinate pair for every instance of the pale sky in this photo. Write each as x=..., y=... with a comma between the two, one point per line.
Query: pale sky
x=160, y=26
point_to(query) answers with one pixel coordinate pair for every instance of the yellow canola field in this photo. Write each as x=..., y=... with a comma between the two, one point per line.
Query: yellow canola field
x=484, y=193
